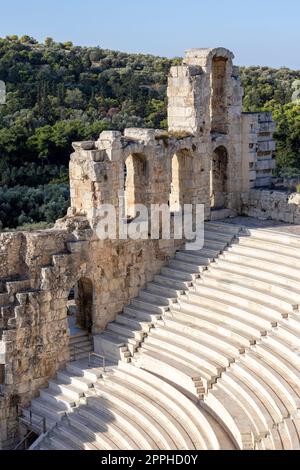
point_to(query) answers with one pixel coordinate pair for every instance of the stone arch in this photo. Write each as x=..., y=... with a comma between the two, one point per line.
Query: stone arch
x=135, y=182
x=181, y=178
x=219, y=178
x=203, y=57
x=219, y=107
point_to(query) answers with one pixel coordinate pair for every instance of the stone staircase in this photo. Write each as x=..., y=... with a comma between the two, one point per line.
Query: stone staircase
x=64, y=393
x=124, y=337
x=217, y=332
x=81, y=345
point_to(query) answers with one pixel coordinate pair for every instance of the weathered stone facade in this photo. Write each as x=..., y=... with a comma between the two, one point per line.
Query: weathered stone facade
x=269, y=204
x=208, y=156
x=205, y=99
x=258, y=142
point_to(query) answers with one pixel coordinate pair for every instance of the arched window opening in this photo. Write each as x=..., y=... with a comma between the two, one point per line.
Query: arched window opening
x=219, y=100
x=182, y=173
x=219, y=178
x=175, y=185
x=135, y=174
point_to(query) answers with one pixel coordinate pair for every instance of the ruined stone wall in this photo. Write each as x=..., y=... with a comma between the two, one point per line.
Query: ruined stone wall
x=258, y=149
x=10, y=248
x=33, y=326
x=269, y=204
x=97, y=175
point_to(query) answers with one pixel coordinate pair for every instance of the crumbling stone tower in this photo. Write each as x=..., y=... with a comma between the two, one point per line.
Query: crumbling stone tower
x=205, y=99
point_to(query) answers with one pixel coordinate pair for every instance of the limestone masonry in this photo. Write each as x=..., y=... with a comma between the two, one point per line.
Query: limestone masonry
x=206, y=346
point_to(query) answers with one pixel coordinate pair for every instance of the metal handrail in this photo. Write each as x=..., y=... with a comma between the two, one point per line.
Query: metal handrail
x=32, y=432
x=74, y=348
x=102, y=358
x=28, y=435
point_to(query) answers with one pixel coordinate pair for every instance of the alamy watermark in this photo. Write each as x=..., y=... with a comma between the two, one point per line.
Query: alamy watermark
x=2, y=92
x=157, y=222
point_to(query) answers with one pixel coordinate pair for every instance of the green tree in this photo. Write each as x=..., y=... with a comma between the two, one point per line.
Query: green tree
x=49, y=42
x=74, y=98
x=25, y=39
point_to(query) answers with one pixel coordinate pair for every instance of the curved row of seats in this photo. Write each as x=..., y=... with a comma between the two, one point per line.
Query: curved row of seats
x=127, y=409
x=255, y=280
x=236, y=330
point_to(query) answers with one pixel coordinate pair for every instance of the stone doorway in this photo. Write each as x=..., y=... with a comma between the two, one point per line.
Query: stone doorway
x=80, y=307
x=219, y=179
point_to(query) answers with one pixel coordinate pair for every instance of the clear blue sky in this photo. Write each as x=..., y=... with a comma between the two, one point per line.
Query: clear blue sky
x=260, y=32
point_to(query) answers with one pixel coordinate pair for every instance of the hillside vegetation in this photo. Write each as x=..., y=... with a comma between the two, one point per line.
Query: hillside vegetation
x=58, y=93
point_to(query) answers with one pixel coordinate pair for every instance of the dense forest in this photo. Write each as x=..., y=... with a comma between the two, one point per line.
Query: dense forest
x=58, y=93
